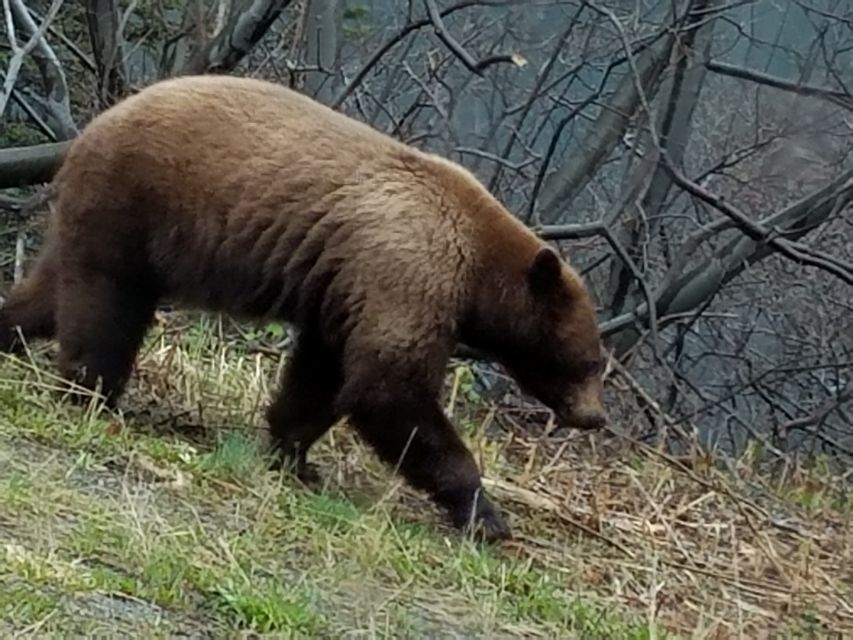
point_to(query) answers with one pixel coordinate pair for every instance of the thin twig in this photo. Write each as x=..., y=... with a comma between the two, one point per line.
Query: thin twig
x=839, y=98
x=459, y=51
x=398, y=37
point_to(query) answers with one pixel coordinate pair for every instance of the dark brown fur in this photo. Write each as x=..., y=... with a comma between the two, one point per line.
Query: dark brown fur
x=243, y=197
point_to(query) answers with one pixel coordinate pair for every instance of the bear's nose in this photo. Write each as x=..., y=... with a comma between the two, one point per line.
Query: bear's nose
x=591, y=422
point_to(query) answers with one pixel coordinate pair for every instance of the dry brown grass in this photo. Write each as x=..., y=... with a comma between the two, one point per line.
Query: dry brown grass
x=702, y=552
x=705, y=545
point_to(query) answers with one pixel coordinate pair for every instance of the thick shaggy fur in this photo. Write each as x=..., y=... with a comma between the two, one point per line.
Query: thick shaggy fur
x=240, y=196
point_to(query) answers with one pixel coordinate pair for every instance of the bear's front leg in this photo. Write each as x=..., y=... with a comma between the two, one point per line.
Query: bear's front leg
x=408, y=429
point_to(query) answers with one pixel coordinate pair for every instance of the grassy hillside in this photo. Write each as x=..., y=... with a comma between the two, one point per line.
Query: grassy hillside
x=161, y=520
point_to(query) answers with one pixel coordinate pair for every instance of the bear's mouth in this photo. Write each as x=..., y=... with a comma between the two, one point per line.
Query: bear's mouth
x=562, y=421
x=567, y=419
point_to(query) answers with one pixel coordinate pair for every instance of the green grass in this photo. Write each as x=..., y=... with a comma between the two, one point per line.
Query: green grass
x=256, y=553
x=107, y=521
x=162, y=519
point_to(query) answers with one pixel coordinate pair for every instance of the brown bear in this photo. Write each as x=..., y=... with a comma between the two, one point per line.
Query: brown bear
x=243, y=197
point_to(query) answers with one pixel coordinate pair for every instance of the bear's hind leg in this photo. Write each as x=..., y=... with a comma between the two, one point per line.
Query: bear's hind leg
x=407, y=427
x=31, y=306
x=303, y=409
x=101, y=323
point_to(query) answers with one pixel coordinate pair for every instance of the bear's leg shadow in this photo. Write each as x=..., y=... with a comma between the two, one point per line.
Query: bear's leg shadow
x=408, y=429
x=303, y=410
x=31, y=306
x=101, y=323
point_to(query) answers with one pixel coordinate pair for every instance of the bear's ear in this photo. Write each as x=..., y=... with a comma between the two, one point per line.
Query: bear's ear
x=545, y=271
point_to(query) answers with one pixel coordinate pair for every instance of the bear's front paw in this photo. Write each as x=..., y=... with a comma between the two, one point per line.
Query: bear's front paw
x=491, y=528
x=486, y=525
x=305, y=472
x=309, y=474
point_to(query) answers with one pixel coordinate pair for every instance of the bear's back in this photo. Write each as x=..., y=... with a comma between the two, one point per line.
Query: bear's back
x=213, y=127
x=245, y=196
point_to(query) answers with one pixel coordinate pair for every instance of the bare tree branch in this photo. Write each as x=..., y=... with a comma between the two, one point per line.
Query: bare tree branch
x=814, y=419
x=21, y=166
x=675, y=123
x=561, y=187
x=761, y=234
x=398, y=37
x=322, y=27
x=16, y=14
x=839, y=98
x=105, y=32
x=56, y=101
x=476, y=66
x=34, y=115
x=245, y=28
x=683, y=289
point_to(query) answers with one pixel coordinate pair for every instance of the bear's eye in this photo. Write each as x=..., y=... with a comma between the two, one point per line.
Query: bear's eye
x=598, y=366
x=589, y=368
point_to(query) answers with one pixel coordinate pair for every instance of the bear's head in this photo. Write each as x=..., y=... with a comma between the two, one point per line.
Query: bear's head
x=561, y=361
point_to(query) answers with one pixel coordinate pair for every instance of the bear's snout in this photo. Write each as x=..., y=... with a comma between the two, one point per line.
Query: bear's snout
x=585, y=419
x=589, y=421
x=584, y=409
